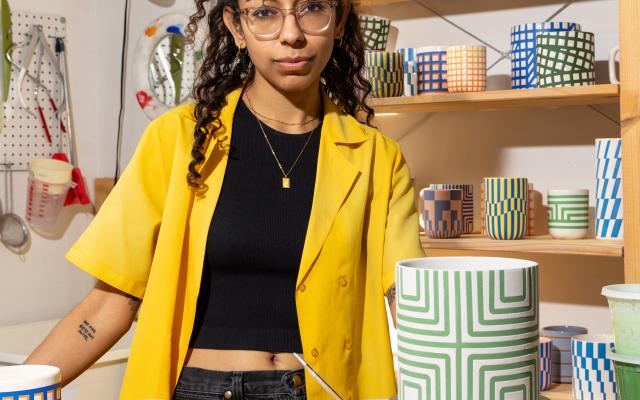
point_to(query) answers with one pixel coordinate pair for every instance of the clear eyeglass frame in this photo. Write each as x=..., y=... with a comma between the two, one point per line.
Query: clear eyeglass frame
x=283, y=12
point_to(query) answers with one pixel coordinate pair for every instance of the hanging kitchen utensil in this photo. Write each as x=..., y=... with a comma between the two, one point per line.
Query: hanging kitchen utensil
x=77, y=192
x=13, y=230
x=38, y=42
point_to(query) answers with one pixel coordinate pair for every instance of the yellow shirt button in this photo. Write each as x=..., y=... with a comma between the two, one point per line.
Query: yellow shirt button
x=228, y=394
x=302, y=287
x=343, y=281
x=315, y=352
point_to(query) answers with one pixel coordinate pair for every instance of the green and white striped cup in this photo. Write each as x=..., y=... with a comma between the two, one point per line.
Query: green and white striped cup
x=568, y=213
x=467, y=328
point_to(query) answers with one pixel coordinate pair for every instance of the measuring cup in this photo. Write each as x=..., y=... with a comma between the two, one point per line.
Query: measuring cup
x=49, y=181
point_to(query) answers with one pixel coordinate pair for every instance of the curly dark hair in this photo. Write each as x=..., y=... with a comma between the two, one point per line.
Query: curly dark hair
x=225, y=69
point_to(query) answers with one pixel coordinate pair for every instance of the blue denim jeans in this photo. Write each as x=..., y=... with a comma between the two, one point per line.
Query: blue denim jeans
x=201, y=384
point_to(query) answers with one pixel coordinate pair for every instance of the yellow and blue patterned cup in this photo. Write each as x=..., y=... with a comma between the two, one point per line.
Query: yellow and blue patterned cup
x=389, y=60
x=384, y=74
x=506, y=203
x=23, y=382
x=384, y=89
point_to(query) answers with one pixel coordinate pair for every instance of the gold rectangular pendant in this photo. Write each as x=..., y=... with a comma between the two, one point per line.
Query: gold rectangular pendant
x=286, y=183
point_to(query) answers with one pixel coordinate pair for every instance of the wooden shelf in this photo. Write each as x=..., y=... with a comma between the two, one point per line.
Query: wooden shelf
x=533, y=244
x=558, y=392
x=500, y=99
x=452, y=7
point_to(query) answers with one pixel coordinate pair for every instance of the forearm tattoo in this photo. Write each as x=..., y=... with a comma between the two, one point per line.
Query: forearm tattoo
x=391, y=294
x=87, y=331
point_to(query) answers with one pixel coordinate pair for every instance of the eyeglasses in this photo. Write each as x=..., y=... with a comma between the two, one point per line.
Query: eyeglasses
x=266, y=22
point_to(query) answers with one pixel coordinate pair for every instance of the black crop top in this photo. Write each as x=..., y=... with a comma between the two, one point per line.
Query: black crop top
x=254, y=247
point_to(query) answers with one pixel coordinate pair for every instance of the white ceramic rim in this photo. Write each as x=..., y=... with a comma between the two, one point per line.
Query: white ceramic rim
x=143, y=53
x=430, y=49
x=611, y=354
x=564, y=331
x=593, y=338
x=369, y=16
x=606, y=139
x=504, y=177
x=545, y=339
x=28, y=377
x=467, y=46
x=467, y=263
x=546, y=25
x=567, y=192
x=614, y=292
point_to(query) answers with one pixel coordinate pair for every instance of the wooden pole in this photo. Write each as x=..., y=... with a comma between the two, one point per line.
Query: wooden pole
x=630, y=125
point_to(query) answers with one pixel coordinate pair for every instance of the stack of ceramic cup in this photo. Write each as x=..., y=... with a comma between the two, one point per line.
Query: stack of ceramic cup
x=441, y=216
x=466, y=68
x=431, y=64
x=609, y=219
x=561, y=366
x=593, y=376
x=384, y=71
x=456, y=343
x=568, y=213
x=375, y=31
x=566, y=59
x=410, y=71
x=523, y=50
x=624, y=305
x=545, y=363
x=506, y=205
x=531, y=210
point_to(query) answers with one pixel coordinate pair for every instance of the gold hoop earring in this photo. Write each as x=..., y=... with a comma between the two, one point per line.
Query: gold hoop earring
x=340, y=41
x=240, y=54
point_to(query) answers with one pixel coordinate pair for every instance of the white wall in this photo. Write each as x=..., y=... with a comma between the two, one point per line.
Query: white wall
x=550, y=146
x=41, y=284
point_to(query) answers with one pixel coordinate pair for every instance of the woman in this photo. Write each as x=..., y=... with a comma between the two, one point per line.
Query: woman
x=312, y=210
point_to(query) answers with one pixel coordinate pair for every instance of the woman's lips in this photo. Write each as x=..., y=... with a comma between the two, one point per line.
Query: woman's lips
x=293, y=64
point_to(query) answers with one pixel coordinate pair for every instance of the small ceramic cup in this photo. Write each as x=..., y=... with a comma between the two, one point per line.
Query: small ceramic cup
x=442, y=213
x=375, y=31
x=568, y=213
x=561, y=364
x=18, y=382
x=545, y=363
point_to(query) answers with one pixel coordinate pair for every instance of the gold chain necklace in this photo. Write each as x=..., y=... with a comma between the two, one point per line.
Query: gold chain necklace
x=286, y=181
x=275, y=120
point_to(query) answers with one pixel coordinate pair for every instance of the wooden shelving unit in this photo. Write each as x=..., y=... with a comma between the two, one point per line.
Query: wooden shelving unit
x=532, y=244
x=499, y=99
x=558, y=392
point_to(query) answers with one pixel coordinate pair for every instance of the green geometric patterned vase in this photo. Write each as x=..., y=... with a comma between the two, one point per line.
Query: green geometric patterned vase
x=467, y=329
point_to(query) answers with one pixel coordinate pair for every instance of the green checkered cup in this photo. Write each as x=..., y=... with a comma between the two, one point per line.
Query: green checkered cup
x=565, y=58
x=375, y=31
x=568, y=213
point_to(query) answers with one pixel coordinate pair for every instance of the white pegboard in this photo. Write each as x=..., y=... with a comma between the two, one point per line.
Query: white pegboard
x=23, y=137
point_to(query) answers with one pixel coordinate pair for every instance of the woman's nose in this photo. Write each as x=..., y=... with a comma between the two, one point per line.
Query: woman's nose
x=291, y=31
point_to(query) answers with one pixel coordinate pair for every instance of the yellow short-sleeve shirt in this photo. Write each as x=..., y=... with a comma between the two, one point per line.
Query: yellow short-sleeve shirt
x=149, y=240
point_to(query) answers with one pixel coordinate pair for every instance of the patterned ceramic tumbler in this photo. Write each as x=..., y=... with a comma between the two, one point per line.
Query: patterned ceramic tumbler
x=566, y=59
x=466, y=68
x=410, y=70
x=561, y=369
x=506, y=205
x=467, y=328
x=384, y=70
x=432, y=69
x=375, y=31
x=531, y=217
x=467, y=202
x=568, y=213
x=30, y=382
x=523, y=50
x=545, y=363
x=593, y=375
x=442, y=213
x=609, y=212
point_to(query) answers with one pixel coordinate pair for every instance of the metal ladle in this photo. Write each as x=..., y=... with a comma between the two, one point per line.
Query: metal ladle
x=13, y=230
